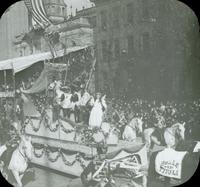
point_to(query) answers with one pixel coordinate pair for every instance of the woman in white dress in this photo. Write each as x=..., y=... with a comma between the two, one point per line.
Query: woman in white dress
x=96, y=115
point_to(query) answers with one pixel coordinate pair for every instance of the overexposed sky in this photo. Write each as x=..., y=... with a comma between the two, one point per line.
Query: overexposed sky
x=77, y=4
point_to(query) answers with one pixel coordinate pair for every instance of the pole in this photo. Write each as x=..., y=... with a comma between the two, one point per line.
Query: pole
x=66, y=72
x=14, y=88
x=49, y=44
x=91, y=72
x=46, y=75
x=5, y=81
x=5, y=84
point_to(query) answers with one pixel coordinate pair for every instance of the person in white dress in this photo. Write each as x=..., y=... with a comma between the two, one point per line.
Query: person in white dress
x=96, y=115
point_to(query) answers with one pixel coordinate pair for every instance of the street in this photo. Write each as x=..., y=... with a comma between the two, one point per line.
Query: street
x=43, y=177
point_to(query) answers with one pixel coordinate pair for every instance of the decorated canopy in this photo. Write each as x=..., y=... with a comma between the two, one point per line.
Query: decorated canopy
x=42, y=82
x=21, y=63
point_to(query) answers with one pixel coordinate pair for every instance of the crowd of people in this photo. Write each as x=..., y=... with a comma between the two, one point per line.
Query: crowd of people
x=76, y=100
x=73, y=101
x=171, y=111
x=76, y=103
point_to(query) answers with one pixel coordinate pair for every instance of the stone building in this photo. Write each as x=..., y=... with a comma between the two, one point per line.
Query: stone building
x=76, y=31
x=147, y=48
x=89, y=14
x=14, y=22
x=17, y=22
x=56, y=10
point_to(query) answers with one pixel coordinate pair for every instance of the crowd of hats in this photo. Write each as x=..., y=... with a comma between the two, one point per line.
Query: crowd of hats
x=79, y=66
x=172, y=112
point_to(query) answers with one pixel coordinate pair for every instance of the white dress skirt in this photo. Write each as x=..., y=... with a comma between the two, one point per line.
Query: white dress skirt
x=96, y=115
x=17, y=162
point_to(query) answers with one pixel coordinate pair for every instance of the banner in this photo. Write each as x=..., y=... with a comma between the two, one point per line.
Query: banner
x=168, y=163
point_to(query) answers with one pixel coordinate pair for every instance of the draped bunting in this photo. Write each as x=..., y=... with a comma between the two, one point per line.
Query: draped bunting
x=47, y=123
x=53, y=154
x=85, y=133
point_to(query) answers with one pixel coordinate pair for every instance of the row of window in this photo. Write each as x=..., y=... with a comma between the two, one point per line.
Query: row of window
x=113, y=48
x=116, y=15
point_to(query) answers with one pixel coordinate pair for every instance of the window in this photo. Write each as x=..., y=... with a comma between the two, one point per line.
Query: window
x=130, y=13
x=130, y=45
x=63, y=11
x=103, y=20
x=116, y=17
x=116, y=48
x=93, y=21
x=59, y=10
x=30, y=20
x=104, y=49
x=145, y=10
x=145, y=43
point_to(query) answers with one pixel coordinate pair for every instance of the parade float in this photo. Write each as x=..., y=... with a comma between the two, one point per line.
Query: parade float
x=62, y=144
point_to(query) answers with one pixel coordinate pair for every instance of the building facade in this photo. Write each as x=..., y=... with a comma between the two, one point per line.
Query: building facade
x=13, y=23
x=145, y=48
x=89, y=14
x=56, y=10
x=76, y=31
x=17, y=22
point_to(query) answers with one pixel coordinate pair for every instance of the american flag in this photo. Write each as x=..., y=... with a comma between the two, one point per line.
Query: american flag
x=37, y=10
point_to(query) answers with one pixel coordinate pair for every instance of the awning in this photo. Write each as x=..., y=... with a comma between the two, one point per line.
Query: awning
x=21, y=63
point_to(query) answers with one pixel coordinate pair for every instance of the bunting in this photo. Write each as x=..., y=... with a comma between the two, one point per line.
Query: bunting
x=37, y=10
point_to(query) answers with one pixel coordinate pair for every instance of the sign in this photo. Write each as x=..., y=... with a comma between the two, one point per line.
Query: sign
x=168, y=163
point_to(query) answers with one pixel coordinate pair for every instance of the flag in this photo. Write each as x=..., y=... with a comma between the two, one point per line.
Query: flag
x=37, y=10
